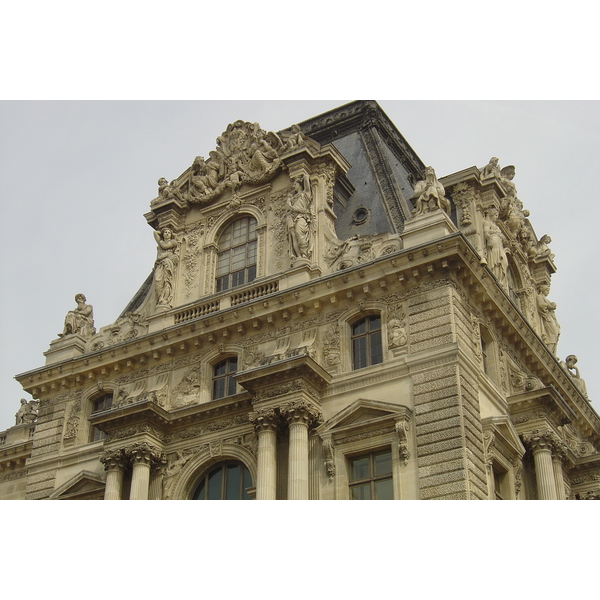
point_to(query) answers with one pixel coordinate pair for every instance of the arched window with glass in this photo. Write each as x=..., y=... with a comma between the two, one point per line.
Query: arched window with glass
x=229, y=480
x=236, y=258
x=367, y=348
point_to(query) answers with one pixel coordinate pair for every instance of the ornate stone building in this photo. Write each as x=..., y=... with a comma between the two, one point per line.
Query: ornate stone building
x=325, y=319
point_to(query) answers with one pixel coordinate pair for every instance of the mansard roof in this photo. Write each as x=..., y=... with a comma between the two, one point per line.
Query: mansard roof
x=384, y=167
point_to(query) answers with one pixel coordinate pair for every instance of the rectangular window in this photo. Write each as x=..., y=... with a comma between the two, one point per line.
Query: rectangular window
x=370, y=476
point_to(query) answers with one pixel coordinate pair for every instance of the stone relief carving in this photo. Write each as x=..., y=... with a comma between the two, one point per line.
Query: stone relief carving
x=495, y=247
x=188, y=390
x=463, y=196
x=359, y=249
x=550, y=327
x=27, y=413
x=245, y=154
x=520, y=382
x=300, y=218
x=81, y=320
x=128, y=327
x=191, y=260
x=164, y=267
x=73, y=421
x=328, y=458
x=397, y=336
x=402, y=433
x=331, y=346
x=429, y=195
x=569, y=365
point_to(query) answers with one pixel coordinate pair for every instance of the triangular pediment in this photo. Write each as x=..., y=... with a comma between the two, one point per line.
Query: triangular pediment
x=362, y=412
x=84, y=486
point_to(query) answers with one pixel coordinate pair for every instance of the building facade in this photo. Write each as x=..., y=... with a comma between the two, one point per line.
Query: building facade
x=325, y=319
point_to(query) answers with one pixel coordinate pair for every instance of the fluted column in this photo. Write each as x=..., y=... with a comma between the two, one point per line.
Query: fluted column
x=558, y=455
x=114, y=462
x=142, y=457
x=300, y=415
x=266, y=422
x=541, y=444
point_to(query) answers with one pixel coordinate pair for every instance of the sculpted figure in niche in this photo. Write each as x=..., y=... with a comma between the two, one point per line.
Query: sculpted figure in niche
x=164, y=267
x=299, y=218
x=27, y=412
x=495, y=247
x=430, y=195
x=573, y=371
x=81, y=320
x=492, y=169
x=550, y=326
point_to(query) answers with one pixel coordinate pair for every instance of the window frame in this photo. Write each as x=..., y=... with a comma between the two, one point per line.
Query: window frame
x=96, y=435
x=204, y=481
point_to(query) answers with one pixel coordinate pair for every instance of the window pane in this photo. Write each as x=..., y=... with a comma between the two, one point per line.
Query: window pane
x=251, y=253
x=223, y=263
x=199, y=495
x=232, y=364
x=230, y=386
x=360, y=492
x=384, y=490
x=252, y=229
x=214, y=484
x=359, y=352
x=359, y=328
x=221, y=368
x=374, y=322
x=360, y=468
x=232, y=490
x=376, y=348
x=219, y=388
x=247, y=484
x=237, y=278
x=383, y=463
x=251, y=273
x=238, y=259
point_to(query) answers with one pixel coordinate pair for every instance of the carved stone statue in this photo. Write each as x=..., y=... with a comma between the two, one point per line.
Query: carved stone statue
x=397, y=334
x=573, y=371
x=550, y=326
x=27, y=412
x=167, y=191
x=492, y=169
x=296, y=139
x=495, y=247
x=81, y=320
x=542, y=249
x=299, y=218
x=507, y=175
x=430, y=195
x=164, y=267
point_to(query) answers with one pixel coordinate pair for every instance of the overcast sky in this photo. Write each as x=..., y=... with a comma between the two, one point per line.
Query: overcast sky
x=77, y=178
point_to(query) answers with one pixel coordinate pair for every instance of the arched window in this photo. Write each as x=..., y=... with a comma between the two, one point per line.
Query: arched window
x=367, y=349
x=236, y=260
x=100, y=404
x=224, y=378
x=227, y=481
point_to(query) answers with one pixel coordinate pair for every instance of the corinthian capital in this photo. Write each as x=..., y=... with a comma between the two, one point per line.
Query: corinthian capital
x=265, y=419
x=301, y=412
x=541, y=439
x=114, y=460
x=145, y=453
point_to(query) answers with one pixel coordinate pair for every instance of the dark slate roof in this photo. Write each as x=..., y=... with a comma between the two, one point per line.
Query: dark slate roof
x=383, y=173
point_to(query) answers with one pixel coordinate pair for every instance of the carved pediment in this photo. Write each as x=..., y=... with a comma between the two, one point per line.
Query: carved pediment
x=365, y=412
x=84, y=486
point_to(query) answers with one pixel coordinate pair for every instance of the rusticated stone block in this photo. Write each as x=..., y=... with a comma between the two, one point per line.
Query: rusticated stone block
x=447, y=457
x=436, y=447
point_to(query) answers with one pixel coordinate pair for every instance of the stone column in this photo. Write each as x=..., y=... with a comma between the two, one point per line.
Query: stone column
x=114, y=462
x=558, y=455
x=300, y=415
x=266, y=422
x=142, y=457
x=541, y=444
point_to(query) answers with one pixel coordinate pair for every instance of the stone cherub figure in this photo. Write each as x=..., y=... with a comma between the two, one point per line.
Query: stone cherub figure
x=492, y=169
x=430, y=195
x=81, y=320
x=167, y=191
x=27, y=412
x=573, y=371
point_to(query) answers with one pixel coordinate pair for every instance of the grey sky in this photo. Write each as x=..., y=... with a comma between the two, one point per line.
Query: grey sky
x=77, y=177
